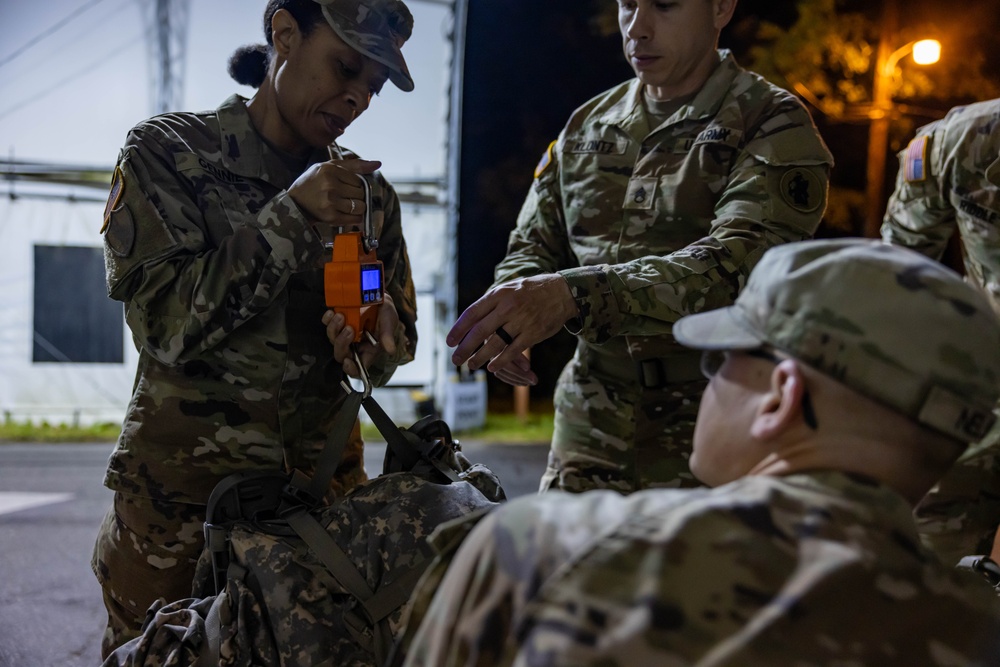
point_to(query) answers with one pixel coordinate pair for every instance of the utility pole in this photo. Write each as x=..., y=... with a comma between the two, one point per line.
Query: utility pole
x=881, y=116
x=447, y=290
x=167, y=33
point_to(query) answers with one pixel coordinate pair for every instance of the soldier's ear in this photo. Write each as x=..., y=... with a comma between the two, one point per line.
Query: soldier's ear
x=781, y=408
x=285, y=32
x=722, y=12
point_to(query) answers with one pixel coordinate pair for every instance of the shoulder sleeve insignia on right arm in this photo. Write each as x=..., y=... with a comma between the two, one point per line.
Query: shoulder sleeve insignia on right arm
x=915, y=160
x=546, y=160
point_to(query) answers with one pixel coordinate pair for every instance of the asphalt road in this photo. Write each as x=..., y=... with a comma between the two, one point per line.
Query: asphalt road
x=51, y=504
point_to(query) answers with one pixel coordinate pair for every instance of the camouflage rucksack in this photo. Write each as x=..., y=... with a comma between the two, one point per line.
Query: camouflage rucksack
x=300, y=583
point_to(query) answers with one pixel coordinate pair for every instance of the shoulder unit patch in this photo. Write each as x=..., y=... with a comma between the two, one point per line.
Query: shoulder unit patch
x=802, y=190
x=115, y=196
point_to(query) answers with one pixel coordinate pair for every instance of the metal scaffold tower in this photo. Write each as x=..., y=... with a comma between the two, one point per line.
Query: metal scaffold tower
x=167, y=33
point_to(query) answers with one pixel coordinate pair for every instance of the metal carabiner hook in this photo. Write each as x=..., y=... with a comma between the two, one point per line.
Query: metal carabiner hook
x=368, y=238
x=362, y=371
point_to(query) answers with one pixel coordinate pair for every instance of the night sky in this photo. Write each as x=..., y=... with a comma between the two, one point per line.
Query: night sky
x=529, y=64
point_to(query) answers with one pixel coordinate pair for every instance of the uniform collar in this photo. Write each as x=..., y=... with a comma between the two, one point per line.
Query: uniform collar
x=706, y=103
x=860, y=491
x=244, y=151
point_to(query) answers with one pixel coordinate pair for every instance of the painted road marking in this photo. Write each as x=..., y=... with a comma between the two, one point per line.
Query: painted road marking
x=15, y=501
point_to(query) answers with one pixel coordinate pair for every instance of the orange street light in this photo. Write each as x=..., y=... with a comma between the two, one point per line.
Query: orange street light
x=925, y=52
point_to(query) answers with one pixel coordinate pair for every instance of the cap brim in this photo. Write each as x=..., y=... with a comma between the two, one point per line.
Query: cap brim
x=399, y=73
x=401, y=77
x=719, y=329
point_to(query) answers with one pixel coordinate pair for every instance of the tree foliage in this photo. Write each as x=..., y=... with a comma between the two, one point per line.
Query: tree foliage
x=828, y=56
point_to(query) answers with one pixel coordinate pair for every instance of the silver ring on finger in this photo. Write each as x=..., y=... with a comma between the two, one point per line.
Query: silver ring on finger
x=353, y=206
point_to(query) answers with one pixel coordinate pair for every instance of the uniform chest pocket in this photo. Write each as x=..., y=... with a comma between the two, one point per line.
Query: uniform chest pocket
x=226, y=200
x=691, y=167
x=594, y=173
x=691, y=183
x=225, y=210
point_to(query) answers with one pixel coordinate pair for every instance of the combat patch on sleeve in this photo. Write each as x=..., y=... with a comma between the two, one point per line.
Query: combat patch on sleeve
x=115, y=196
x=119, y=226
x=801, y=189
x=915, y=160
x=120, y=237
x=546, y=160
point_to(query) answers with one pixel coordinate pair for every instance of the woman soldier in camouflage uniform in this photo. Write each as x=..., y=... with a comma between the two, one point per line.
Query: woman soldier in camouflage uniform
x=213, y=238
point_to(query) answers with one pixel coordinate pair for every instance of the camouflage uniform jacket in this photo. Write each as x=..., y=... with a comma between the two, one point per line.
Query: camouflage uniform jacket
x=221, y=275
x=949, y=178
x=648, y=224
x=810, y=569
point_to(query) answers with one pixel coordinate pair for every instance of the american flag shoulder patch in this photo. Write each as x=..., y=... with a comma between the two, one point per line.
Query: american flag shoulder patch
x=915, y=160
x=546, y=160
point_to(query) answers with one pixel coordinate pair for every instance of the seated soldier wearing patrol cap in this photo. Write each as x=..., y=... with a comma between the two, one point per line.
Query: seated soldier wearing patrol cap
x=846, y=378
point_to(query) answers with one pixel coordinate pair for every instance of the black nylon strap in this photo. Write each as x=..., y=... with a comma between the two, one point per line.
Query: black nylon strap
x=393, y=437
x=394, y=594
x=327, y=550
x=343, y=570
x=408, y=452
x=317, y=487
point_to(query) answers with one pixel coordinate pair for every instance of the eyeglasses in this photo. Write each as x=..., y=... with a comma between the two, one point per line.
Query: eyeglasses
x=712, y=360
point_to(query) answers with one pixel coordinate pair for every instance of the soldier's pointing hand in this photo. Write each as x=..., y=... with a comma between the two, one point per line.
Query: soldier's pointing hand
x=508, y=320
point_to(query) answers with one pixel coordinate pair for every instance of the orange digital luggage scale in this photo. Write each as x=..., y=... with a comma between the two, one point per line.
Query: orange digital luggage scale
x=353, y=278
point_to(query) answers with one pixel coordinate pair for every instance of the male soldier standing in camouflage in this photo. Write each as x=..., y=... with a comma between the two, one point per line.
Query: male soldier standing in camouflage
x=656, y=201
x=845, y=379
x=213, y=237
x=949, y=178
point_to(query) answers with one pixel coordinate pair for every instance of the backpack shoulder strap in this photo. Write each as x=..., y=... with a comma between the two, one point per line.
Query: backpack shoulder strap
x=343, y=570
x=310, y=491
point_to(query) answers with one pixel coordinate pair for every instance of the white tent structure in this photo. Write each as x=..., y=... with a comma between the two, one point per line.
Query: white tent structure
x=55, y=362
x=66, y=355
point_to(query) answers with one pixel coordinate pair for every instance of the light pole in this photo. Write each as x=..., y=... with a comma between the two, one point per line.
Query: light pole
x=925, y=52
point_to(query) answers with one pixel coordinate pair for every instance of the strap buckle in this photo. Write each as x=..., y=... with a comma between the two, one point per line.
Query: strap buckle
x=651, y=373
x=983, y=565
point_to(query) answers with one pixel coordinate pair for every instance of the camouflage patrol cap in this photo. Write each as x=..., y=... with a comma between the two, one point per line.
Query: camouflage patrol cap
x=374, y=28
x=891, y=324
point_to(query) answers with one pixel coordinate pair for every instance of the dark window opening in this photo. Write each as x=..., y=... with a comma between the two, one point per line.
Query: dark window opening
x=74, y=320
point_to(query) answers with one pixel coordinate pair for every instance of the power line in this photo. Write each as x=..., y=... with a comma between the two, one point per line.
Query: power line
x=100, y=20
x=45, y=33
x=92, y=65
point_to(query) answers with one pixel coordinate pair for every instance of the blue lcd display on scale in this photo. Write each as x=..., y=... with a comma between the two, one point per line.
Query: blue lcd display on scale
x=371, y=283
